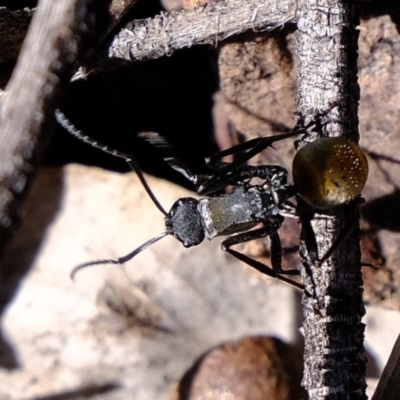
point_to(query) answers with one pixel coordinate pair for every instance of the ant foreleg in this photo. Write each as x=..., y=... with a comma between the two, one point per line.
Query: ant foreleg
x=244, y=173
x=246, y=150
x=170, y=156
x=276, y=254
x=250, y=148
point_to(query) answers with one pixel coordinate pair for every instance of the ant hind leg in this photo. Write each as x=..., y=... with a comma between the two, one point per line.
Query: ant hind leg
x=276, y=254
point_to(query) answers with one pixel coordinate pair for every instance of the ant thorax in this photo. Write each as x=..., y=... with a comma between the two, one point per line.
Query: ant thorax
x=234, y=212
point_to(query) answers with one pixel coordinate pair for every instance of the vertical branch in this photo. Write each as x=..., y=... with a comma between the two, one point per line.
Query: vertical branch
x=334, y=354
x=58, y=32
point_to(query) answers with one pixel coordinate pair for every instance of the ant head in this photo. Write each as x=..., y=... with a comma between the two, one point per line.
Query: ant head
x=184, y=222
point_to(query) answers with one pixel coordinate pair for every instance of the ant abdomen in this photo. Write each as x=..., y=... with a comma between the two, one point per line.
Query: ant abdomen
x=329, y=172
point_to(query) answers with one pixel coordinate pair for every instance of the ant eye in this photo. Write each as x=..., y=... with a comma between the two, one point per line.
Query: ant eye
x=330, y=171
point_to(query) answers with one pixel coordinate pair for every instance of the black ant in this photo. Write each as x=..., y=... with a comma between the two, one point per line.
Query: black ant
x=191, y=220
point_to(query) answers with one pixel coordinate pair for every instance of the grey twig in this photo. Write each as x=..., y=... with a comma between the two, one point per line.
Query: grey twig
x=44, y=67
x=207, y=24
x=334, y=360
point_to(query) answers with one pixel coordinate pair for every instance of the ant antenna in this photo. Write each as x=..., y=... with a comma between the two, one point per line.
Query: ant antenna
x=130, y=160
x=120, y=260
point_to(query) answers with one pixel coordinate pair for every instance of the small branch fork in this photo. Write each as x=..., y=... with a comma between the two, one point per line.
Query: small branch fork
x=334, y=361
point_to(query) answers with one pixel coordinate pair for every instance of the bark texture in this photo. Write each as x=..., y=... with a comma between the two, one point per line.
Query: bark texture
x=208, y=24
x=26, y=115
x=334, y=355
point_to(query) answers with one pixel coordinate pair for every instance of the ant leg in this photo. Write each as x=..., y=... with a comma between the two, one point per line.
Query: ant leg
x=253, y=147
x=171, y=157
x=250, y=148
x=344, y=233
x=310, y=240
x=240, y=173
x=266, y=172
x=264, y=269
x=243, y=173
x=276, y=248
x=276, y=254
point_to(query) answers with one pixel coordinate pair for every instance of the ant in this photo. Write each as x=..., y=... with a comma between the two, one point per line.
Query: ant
x=234, y=215
x=327, y=173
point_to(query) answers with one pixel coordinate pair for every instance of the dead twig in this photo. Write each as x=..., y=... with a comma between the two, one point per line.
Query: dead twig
x=209, y=24
x=334, y=360
x=58, y=32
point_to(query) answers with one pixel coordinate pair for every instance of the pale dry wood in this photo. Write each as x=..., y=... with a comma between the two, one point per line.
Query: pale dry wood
x=59, y=33
x=335, y=363
x=209, y=24
x=51, y=47
x=206, y=24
